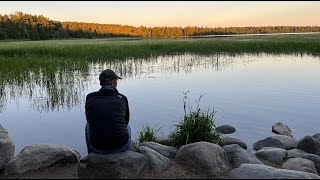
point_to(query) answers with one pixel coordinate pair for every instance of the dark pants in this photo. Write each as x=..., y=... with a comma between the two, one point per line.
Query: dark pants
x=116, y=150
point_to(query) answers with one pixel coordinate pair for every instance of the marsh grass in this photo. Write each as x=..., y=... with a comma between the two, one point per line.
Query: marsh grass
x=105, y=50
x=196, y=125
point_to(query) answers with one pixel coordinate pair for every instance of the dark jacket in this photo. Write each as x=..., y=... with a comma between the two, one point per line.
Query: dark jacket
x=107, y=113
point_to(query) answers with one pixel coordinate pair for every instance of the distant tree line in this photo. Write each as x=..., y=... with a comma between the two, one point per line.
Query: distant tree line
x=25, y=26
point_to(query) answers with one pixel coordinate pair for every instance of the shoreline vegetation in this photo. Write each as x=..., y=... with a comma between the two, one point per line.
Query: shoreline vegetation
x=121, y=49
x=20, y=25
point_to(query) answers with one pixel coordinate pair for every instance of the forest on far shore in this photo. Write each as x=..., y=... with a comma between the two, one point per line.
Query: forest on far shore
x=19, y=25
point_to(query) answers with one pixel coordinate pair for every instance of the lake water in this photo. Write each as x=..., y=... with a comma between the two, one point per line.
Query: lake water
x=248, y=91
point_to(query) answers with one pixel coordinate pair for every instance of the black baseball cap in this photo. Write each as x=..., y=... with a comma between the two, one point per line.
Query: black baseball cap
x=107, y=75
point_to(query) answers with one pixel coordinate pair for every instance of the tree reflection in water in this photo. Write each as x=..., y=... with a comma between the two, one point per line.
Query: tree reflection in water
x=51, y=85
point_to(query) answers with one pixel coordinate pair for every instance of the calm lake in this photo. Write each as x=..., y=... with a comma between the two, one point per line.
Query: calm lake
x=248, y=91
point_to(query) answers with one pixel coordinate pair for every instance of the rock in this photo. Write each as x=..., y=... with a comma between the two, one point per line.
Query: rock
x=207, y=158
x=6, y=148
x=279, y=141
x=317, y=136
x=282, y=129
x=226, y=129
x=237, y=156
x=259, y=171
x=272, y=155
x=288, y=142
x=163, y=141
x=40, y=156
x=158, y=162
x=300, y=164
x=231, y=140
x=294, y=153
x=268, y=142
x=124, y=165
x=167, y=151
x=133, y=147
x=310, y=145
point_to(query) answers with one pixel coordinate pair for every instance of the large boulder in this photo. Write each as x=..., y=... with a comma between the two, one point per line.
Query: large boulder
x=124, y=165
x=157, y=161
x=6, y=148
x=294, y=153
x=40, y=156
x=310, y=145
x=278, y=141
x=227, y=140
x=272, y=155
x=204, y=157
x=259, y=171
x=167, y=151
x=237, y=156
x=282, y=129
x=300, y=164
x=226, y=129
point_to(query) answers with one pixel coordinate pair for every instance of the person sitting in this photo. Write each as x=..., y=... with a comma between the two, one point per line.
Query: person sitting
x=107, y=114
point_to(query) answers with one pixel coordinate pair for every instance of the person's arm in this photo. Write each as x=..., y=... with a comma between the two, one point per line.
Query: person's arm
x=86, y=112
x=127, y=111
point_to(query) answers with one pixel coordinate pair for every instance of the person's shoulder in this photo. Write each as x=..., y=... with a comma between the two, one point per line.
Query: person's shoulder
x=122, y=96
x=92, y=94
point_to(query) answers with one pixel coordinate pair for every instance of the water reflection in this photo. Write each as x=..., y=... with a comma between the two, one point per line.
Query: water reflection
x=48, y=86
x=58, y=84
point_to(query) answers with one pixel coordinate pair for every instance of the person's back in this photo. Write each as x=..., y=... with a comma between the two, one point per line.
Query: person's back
x=107, y=113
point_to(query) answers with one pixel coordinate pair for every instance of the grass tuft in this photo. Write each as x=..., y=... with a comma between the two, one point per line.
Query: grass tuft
x=196, y=126
x=147, y=134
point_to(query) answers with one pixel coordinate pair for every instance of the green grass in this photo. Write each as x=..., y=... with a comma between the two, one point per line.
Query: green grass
x=147, y=134
x=196, y=126
x=106, y=49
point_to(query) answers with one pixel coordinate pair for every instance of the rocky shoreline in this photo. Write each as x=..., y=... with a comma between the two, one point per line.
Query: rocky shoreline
x=278, y=156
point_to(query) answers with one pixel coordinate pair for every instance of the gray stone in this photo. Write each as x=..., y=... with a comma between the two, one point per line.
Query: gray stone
x=279, y=141
x=268, y=142
x=259, y=171
x=317, y=136
x=7, y=148
x=237, y=156
x=206, y=158
x=124, y=165
x=226, y=129
x=231, y=140
x=40, y=156
x=272, y=155
x=167, y=151
x=310, y=145
x=163, y=141
x=282, y=129
x=157, y=161
x=300, y=164
x=288, y=142
x=294, y=153
x=133, y=147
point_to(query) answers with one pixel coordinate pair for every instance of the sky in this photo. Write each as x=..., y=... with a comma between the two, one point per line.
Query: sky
x=174, y=13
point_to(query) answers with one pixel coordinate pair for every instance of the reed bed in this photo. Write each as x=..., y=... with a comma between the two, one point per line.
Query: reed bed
x=105, y=50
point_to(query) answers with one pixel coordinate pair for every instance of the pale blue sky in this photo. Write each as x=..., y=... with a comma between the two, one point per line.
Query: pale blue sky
x=176, y=13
